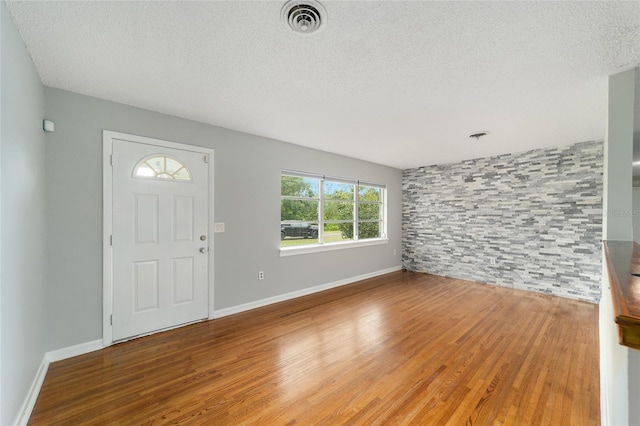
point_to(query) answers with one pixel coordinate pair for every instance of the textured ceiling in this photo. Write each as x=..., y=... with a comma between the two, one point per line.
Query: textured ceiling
x=393, y=82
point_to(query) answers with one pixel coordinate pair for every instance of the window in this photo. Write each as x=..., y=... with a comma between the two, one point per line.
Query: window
x=161, y=167
x=320, y=210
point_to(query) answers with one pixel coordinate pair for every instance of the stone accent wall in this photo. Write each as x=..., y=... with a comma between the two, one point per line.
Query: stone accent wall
x=537, y=214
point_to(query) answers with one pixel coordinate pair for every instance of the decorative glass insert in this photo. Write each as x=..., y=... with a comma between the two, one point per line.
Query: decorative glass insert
x=161, y=167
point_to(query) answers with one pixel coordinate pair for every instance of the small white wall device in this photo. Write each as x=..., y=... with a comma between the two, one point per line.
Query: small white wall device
x=48, y=126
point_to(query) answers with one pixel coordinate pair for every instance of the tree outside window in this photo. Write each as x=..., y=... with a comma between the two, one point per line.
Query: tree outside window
x=319, y=210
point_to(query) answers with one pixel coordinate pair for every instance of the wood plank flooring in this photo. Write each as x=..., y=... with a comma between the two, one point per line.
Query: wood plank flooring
x=403, y=348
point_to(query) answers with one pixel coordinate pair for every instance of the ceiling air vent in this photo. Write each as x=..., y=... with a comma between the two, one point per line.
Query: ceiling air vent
x=304, y=16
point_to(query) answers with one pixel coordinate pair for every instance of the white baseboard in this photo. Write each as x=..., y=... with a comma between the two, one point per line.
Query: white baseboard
x=71, y=351
x=49, y=357
x=299, y=293
x=34, y=391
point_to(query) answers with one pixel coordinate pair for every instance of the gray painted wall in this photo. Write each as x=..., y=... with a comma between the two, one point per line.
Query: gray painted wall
x=635, y=213
x=537, y=213
x=618, y=178
x=634, y=355
x=634, y=386
x=247, y=190
x=615, y=370
x=22, y=278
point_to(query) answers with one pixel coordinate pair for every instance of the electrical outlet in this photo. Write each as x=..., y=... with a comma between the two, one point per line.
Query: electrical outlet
x=394, y=252
x=492, y=260
x=261, y=275
x=219, y=227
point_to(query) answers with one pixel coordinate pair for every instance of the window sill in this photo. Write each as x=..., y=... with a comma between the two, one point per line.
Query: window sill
x=317, y=248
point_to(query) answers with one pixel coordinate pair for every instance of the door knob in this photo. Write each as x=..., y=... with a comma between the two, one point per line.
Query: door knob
x=203, y=250
x=203, y=237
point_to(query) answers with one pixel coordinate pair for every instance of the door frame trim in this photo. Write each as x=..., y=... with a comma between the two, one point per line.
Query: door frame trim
x=107, y=225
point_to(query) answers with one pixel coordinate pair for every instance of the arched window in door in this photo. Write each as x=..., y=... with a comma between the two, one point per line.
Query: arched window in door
x=160, y=166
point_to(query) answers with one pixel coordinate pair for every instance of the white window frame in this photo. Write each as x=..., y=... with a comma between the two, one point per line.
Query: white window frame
x=321, y=246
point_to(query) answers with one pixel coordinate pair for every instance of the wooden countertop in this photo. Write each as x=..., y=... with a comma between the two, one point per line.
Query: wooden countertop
x=623, y=260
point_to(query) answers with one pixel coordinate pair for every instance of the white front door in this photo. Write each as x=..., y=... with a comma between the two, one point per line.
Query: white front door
x=160, y=237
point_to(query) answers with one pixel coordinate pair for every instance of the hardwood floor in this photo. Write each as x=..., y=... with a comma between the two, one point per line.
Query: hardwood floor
x=403, y=348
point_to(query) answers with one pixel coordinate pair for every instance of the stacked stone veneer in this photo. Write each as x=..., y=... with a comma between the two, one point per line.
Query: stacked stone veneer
x=537, y=213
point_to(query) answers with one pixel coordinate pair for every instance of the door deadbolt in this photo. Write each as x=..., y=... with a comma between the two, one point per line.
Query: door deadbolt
x=203, y=237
